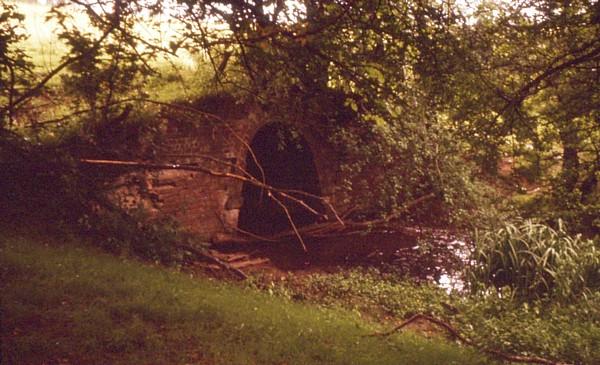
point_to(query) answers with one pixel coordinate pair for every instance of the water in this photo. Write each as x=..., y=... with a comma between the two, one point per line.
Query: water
x=436, y=257
x=425, y=255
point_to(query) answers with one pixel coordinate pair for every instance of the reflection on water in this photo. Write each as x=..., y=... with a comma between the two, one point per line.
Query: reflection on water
x=453, y=280
x=438, y=257
x=426, y=255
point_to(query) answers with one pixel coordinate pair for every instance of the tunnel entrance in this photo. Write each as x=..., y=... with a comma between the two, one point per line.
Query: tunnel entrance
x=287, y=163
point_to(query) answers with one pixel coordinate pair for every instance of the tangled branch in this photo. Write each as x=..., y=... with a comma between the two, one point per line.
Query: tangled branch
x=324, y=229
x=271, y=190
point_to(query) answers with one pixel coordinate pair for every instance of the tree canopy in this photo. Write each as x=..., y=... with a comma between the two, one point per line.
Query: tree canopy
x=431, y=92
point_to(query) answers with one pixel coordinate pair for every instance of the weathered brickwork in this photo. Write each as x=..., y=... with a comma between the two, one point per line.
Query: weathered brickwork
x=203, y=204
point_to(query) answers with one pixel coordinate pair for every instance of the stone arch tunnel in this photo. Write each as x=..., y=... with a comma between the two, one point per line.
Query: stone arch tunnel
x=217, y=208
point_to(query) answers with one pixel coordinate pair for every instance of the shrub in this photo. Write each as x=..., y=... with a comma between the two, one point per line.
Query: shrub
x=134, y=233
x=534, y=261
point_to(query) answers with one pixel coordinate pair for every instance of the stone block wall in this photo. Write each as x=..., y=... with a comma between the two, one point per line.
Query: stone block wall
x=208, y=205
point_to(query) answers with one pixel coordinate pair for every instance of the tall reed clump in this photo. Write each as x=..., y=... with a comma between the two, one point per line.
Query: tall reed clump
x=535, y=261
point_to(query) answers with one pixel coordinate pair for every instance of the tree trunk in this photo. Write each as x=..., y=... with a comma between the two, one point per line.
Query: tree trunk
x=570, y=158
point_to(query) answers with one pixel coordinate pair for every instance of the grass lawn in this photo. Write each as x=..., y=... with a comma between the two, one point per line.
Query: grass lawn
x=65, y=303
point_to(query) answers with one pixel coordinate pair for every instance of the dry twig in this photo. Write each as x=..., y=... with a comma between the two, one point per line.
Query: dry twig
x=326, y=229
x=289, y=217
x=249, y=179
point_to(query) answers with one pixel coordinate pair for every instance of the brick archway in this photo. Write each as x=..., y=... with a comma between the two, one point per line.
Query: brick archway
x=206, y=205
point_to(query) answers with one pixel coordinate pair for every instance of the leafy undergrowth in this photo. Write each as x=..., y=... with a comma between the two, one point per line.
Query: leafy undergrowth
x=65, y=303
x=562, y=331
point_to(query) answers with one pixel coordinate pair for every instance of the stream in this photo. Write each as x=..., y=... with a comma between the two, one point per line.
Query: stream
x=423, y=254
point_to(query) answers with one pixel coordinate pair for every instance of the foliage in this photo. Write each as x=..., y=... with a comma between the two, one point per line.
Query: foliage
x=62, y=302
x=135, y=233
x=378, y=108
x=535, y=261
x=529, y=90
x=364, y=290
x=173, y=83
x=563, y=331
x=580, y=209
x=407, y=92
x=568, y=331
x=15, y=67
x=75, y=202
x=105, y=68
x=579, y=214
x=49, y=184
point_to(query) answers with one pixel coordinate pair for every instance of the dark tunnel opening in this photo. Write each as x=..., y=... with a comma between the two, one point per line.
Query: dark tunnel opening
x=287, y=163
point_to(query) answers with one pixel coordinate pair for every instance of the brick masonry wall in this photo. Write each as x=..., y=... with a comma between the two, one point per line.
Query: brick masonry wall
x=202, y=204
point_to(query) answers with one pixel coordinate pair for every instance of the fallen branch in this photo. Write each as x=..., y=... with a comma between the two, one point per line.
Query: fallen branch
x=330, y=229
x=326, y=229
x=189, y=167
x=244, y=232
x=254, y=235
x=263, y=178
x=289, y=217
x=322, y=199
x=300, y=202
x=205, y=254
x=249, y=179
x=456, y=334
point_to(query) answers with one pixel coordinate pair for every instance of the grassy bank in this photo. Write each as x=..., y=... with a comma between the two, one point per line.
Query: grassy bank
x=64, y=303
x=567, y=332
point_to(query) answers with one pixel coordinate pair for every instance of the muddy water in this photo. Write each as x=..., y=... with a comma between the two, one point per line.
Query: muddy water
x=425, y=255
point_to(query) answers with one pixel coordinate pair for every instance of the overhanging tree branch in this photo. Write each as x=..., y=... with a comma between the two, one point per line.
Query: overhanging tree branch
x=68, y=61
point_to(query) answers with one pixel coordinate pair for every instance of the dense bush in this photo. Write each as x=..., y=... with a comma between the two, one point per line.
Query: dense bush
x=134, y=233
x=580, y=212
x=54, y=189
x=535, y=261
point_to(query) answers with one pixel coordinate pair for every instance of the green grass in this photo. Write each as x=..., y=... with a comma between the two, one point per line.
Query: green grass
x=64, y=302
x=566, y=332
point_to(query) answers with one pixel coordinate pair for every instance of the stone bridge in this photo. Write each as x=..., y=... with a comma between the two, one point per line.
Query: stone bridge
x=219, y=207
